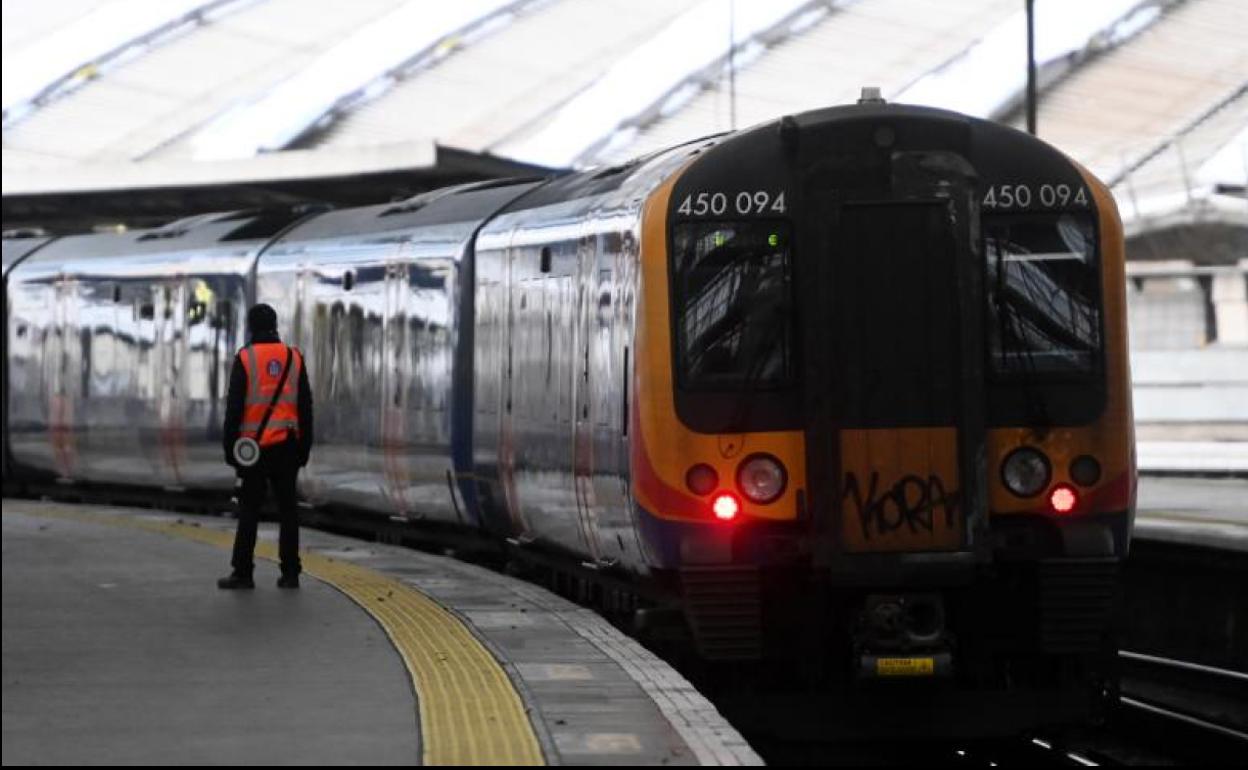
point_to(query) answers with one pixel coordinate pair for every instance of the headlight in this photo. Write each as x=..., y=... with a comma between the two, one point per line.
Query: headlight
x=1025, y=472
x=1085, y=470
x=701, y=479
x=761, y=478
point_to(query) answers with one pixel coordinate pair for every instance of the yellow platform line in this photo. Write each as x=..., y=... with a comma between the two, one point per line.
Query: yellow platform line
x=470, y=712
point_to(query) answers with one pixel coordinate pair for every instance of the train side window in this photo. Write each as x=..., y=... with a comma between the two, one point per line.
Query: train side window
x=545, y=259
x=198, y=303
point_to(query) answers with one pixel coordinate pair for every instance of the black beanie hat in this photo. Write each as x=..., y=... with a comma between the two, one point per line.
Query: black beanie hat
x=261, y=318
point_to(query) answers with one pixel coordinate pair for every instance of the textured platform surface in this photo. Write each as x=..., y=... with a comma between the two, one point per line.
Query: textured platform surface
x=119, y=648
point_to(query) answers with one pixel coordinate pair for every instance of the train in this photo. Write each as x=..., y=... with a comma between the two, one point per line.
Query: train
x=849, y=388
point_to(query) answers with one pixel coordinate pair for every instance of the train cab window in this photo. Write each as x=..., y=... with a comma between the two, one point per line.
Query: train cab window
x=1043, y=291
x=733, y=305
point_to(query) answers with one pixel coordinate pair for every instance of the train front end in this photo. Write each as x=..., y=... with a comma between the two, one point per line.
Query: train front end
x=883, y=421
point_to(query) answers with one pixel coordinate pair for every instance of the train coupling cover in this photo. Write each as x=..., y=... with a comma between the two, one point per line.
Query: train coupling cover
x=903, y=636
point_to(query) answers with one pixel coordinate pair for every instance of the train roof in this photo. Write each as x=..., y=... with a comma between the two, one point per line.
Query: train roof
x=468, y=203
x=239, y=234
x=995, y=135
x=17, y=248
x=996, y=151
x=600, y=181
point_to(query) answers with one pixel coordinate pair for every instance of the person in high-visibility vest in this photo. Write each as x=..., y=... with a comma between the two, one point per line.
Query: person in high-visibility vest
x=279, y=447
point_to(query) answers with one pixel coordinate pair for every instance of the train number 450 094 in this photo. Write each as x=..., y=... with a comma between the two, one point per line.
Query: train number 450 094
x=1025, y=196
x=746, y=202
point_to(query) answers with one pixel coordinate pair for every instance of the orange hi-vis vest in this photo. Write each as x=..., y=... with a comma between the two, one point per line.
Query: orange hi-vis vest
x=263, y=363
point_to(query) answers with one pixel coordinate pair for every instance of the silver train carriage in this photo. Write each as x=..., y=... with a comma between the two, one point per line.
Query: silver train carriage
x=500, y=408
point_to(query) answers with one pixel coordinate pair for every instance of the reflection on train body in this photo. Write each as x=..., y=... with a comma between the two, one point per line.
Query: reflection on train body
x=124, y=353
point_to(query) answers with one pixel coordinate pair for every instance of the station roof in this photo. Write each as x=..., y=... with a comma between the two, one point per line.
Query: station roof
x=1162, y=116
x=496, y=88
x=151, y=103
x=78, y=198
x=822, y=60
x=1147, y=93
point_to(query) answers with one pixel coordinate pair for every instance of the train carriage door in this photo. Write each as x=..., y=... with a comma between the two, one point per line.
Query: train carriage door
x=900, y=372
x=606, y=433
x=317, y=337
x=64, y=377
x=168, y=364
x=394, y=378
x=582, y=380
x=145, y=373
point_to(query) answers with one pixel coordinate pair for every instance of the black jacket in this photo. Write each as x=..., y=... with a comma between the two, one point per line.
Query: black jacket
x=237, y=397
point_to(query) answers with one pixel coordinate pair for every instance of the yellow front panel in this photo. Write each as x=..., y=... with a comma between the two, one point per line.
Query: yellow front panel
x=900, y=490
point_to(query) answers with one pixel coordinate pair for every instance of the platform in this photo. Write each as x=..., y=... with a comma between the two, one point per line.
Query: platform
x=119, y=649
x=1203, y=512
x=1194, y=457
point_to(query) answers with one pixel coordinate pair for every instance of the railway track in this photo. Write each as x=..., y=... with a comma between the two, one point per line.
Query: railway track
x=1197, y=707
x=1167, y=712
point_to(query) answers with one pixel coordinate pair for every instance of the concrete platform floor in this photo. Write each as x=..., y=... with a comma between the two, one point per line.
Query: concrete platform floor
x=1203, y=512
x=118, y=648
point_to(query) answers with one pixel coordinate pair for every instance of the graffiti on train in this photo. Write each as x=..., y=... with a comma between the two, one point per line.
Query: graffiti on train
x=912, y=501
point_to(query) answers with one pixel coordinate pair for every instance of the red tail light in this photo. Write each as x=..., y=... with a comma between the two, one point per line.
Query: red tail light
x=1063, y=498
x=725, y=507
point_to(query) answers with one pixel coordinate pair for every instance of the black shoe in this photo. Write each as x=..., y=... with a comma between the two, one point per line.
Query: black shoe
x=291, y=581
x=235, y=581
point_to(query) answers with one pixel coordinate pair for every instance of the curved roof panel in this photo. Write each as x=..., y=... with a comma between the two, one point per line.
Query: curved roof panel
x=71, y=53
x=1147, y=114
x=699, y=38
x=885, y=43
x=147, y=106
x=275, y=119
x=25, y=22
x=492, y=89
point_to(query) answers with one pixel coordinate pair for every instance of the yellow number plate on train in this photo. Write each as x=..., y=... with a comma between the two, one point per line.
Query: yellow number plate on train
x=905, y=666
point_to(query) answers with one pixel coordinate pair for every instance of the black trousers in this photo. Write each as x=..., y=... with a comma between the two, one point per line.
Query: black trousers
x=278, y=467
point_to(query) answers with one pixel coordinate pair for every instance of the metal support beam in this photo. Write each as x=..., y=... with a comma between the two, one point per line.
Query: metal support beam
x=1031, y=67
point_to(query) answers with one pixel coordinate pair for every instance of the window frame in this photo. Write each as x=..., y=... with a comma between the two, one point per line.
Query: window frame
x=676, y=294
x=1096, y=368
